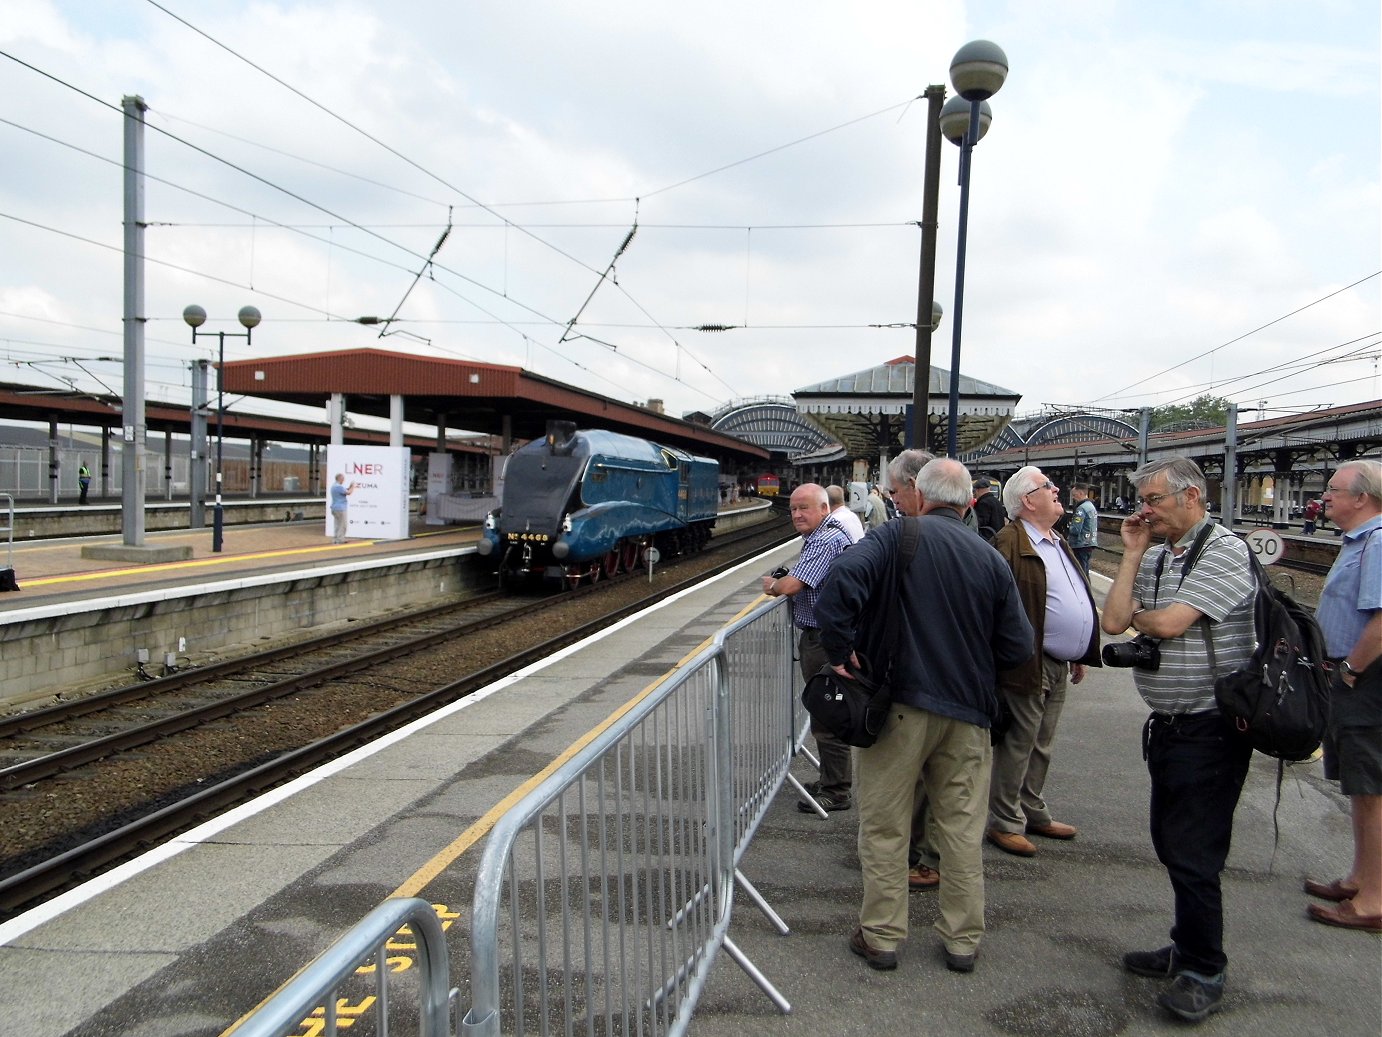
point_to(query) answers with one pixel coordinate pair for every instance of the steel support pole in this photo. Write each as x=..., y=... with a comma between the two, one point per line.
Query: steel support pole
x=926, y=283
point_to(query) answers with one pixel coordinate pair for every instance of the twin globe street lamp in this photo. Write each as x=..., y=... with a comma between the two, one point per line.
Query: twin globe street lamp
x=195, y=317
x=977, y=72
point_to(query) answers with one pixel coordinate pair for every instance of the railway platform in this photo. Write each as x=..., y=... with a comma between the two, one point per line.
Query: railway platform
x=189, y=938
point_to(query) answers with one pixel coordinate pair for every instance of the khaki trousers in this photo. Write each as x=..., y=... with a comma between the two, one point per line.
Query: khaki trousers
x=953, y=759
x=1022, y=759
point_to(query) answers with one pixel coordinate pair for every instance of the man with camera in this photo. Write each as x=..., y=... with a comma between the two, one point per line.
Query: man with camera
x=1190, y=601
x=822, y=542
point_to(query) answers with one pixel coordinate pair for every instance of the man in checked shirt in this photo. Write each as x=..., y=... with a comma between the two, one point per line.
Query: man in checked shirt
x=822, y=543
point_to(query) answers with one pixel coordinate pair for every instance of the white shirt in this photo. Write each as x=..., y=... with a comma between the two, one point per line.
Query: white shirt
x=849, y=522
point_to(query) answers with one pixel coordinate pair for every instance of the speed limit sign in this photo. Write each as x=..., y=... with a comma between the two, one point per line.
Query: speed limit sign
x=1266, y=544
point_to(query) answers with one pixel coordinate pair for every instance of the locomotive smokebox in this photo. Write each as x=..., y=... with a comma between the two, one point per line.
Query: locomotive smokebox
x=561, y=437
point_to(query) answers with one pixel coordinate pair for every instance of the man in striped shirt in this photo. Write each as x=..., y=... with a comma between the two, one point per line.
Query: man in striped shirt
x=1194, y=595
x=822, y=542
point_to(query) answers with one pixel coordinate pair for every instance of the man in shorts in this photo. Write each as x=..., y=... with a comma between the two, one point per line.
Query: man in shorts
x=1350, y=614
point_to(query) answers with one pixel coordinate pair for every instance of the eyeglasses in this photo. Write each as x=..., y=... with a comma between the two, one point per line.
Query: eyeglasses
x=1339, y=489
x=1156, y=498
x=1047, y=485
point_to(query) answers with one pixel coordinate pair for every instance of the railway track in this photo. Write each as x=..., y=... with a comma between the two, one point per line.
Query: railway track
x=89, y=783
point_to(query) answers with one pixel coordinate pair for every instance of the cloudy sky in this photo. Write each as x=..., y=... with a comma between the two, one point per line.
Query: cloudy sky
x=1174, y=198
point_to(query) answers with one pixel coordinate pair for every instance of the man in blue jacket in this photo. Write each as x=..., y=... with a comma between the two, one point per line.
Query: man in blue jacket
x=960, y=621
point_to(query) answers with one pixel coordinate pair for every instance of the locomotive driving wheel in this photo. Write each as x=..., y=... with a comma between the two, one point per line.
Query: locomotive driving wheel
x=611, y=563
x=632, y=555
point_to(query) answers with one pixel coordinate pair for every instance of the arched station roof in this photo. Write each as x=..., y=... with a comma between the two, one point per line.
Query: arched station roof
x=465, y=394
x=776, y=425
x=868, y=410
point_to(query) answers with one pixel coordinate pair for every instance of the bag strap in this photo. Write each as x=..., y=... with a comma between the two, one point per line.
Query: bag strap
x=907, y=549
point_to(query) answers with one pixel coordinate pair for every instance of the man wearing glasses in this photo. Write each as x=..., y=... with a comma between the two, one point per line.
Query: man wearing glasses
x=1055, y=595
x=1202, y=623
x=1350, y=615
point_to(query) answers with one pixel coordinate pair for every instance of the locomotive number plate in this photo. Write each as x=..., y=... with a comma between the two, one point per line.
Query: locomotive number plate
x=540, y=538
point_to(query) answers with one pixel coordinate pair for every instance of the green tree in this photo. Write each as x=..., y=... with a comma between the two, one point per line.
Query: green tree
x=1202, y=412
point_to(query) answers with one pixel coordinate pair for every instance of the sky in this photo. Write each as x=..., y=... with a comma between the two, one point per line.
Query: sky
x=1174, y=198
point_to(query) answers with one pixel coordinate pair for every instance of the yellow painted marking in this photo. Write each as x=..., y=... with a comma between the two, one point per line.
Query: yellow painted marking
x=195, y=563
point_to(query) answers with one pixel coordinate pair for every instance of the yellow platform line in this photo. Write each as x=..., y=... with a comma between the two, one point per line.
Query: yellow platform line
x=195, y=563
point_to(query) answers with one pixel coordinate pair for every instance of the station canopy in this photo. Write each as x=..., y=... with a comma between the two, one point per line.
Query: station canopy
x=491, y=399
x=869, y=411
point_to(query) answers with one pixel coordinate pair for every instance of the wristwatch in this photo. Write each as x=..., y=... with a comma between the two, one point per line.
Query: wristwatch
x=1347, y=670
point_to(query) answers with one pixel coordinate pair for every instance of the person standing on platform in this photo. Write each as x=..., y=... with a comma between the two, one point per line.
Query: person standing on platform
x=1196, y=761
x=923, y=862
x=988, y=512
x=1084, y=526
x=83, y=482
x=1056, y=597
x=340, y=505
x=959, y=621
x=877, y=510
x=1350, y=614
x=822, y=543
x=841, y=516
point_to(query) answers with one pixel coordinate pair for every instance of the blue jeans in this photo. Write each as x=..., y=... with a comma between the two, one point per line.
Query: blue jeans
x=1197, y=765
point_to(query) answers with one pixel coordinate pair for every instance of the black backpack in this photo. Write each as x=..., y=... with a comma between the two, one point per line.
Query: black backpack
x=1279, y=701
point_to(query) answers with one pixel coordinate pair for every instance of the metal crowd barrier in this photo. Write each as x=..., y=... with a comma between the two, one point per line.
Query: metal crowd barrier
x=604, y=896
x=308, y=1002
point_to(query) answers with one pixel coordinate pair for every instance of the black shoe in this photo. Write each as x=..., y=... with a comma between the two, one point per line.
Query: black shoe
x=960, y=962
x=1192, y=999
x=829, y=801
x=884, y=961
x=1157, y=964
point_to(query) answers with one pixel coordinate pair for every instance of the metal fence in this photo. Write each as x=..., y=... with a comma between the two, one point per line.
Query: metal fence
x=308, y=1003
x=604, y=896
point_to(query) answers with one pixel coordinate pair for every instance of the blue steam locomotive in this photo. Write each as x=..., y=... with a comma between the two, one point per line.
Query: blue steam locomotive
x=579, y=505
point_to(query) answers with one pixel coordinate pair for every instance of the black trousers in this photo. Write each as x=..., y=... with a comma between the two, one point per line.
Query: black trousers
x=836, y=771
x=1197, y=765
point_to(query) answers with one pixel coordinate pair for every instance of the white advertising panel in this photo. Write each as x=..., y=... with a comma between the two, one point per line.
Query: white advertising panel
x=378, y=501
x=438, y=485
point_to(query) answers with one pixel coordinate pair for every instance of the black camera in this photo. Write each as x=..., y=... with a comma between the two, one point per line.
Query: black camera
x=1142, y=652
x=780, y=572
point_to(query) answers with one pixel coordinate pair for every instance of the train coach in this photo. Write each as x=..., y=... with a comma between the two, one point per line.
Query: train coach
x=580, y=505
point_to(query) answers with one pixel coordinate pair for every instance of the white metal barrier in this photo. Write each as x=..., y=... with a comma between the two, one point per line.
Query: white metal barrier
x=604, y=896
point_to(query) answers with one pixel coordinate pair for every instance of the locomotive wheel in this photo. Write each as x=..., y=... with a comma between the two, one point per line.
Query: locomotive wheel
x=572, y=577
x=633, y=555
x=611, y=564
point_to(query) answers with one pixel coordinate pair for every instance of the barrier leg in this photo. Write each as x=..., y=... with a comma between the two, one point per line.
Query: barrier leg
x=760, y=903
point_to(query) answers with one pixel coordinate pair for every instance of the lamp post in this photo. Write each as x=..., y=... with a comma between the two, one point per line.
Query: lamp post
x=926, y=279
x=195, y=317
x=977, y=72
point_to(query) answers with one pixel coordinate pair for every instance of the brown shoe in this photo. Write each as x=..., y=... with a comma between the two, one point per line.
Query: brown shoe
x=1012, y=842
x=1053, y=830
x=1343, y=915
x=1334, y=891
x=922, y=877
x=884, y=961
